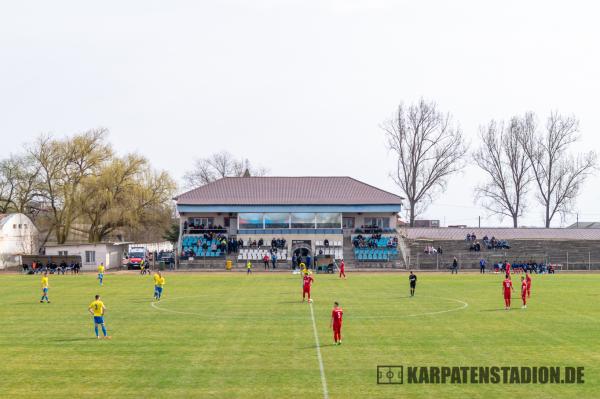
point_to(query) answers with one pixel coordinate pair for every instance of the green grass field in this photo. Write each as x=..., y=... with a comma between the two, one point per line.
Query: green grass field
x=236, y=336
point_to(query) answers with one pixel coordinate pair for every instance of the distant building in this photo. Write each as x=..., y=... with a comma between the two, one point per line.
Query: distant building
x=111, y=254
x=18, y=236
x=427, y=223
x=304, y=211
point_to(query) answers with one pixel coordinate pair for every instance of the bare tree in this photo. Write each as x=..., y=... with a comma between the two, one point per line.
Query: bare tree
x=219, y=165
x=428, y=149
x=18, y=185
x=507, y=167
x=559, y=175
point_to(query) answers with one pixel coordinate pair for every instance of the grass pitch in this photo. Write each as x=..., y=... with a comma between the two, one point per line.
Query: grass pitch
x=236, y=336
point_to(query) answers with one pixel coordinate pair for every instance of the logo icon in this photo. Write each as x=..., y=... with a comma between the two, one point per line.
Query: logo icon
x=390, y=375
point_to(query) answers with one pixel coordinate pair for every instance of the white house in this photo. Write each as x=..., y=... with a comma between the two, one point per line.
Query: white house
x=18, y=236
x=111, y=254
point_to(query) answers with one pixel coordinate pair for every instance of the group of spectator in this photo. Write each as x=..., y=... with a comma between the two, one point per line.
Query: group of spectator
x=271, y=257
x=52, y=268
x=373, y=241
x=530, y=266
x=220, y=242
x=193, y=227
x=489, y=243
x=476, y=247
x=431, y=250
x=277, y=243
x=299, y=259
x=493, y=243
x=471, y=237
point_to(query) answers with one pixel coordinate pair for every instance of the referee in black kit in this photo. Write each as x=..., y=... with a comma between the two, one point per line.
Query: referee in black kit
x=413, y=283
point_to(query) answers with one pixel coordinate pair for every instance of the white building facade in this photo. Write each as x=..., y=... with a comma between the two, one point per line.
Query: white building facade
x=111, y=254
x=18, y=236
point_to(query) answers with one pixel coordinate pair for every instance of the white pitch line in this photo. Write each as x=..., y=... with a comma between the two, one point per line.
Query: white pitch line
x=321, y=368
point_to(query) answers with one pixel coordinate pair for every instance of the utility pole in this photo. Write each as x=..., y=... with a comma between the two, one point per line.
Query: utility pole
x=479, y=222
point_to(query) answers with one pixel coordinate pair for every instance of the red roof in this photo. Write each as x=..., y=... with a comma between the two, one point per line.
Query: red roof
x=288, y=191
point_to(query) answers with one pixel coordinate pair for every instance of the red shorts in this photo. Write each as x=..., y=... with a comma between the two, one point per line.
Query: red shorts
x=306, y=289
x=506, y=294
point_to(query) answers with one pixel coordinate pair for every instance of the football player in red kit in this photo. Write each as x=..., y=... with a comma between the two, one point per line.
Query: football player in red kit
x=306, y=284
x=507, y=286
x=528, y=279
x=342, y=272
x=336, y=323
x=507, y=265
x=524, y=292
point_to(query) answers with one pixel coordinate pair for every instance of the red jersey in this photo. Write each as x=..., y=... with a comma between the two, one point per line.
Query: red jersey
x=507, y=284
x=342, y=265
x=308, y=281
x=508, y=268
x=336, y=315
x=524, y=288
x=528, y=280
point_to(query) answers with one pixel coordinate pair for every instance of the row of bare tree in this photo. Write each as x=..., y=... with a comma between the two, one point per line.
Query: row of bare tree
x=79, y=185
x=517, y=156
x=219, y=165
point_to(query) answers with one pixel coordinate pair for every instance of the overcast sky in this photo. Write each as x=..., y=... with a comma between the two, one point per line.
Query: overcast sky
x=299, y=87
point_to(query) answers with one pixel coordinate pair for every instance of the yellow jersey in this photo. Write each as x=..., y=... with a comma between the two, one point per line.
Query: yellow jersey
x=97, y=307
x=161, y=281
x=100, y=269
x=45, y=282
x=249, y=265
x=156, y=279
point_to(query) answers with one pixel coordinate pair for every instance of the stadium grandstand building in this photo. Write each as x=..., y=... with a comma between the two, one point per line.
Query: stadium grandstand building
x=327, y=217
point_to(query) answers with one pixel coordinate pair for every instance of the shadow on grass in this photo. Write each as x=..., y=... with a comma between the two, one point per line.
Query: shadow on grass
x=493, y=310
x=141, y=300
x=80, y=339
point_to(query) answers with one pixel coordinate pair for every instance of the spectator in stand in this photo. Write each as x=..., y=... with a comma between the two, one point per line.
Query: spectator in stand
x=486, y=240
x=468, y=237
x=308, y=259
x=260, y=242
x=326, y=242
x=440, y=251
x=473, y=237
x=454, y=269
x=266, y=261
x=274, y=261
